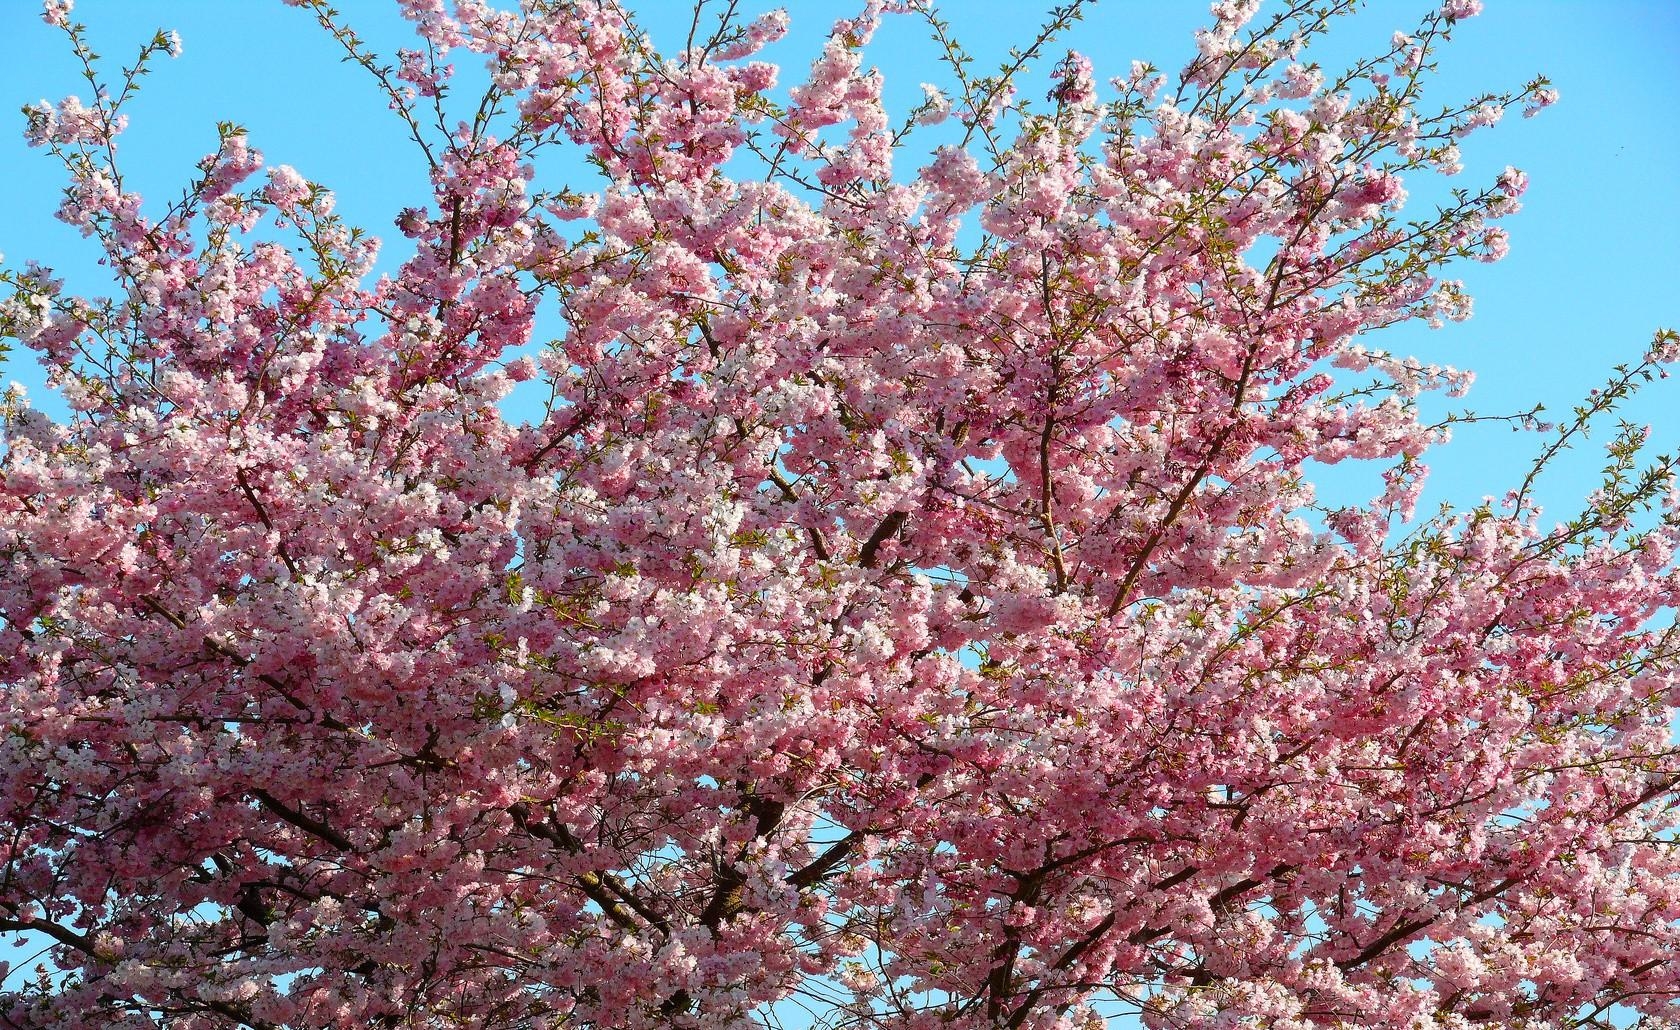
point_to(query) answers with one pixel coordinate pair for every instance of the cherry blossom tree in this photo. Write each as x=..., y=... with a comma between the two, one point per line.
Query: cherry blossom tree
x=905, y=604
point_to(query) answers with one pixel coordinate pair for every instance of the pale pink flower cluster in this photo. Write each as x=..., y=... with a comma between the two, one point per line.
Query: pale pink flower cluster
x=937, y=105
x=764, y=30
x=1538, y=100
x=1299, y=81
x=1075, y=86
x=286, y=188
x=68, y=122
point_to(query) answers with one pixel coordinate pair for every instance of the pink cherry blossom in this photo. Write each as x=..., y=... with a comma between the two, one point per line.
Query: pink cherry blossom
x=823, y=567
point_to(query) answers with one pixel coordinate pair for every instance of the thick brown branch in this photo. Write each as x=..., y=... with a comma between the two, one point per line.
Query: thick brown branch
x=1182, y=498
x=1406, y=927
x=310, y=825
x=818, y=542
x=870, y=553
x=725, y=901
x=1069, y=957
x=616, y=898
x=823, y=864
x=63, y=935
x=268, y=523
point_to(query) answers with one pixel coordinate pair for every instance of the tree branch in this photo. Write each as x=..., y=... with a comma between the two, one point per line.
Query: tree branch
x=870, y=553
x=310, y=825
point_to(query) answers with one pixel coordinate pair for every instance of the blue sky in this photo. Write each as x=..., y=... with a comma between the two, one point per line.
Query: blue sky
x=1595, y=257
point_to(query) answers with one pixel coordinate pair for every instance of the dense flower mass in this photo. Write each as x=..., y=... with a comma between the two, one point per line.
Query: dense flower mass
x=906, y=608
